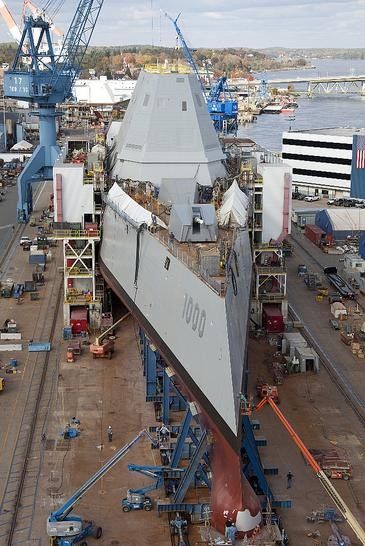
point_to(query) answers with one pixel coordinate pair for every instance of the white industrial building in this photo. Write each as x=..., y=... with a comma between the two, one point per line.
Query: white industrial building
x=103, y=91
x=276, y=200
x=321, y=159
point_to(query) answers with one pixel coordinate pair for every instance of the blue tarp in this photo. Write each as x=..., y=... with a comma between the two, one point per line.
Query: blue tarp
x=39, y=347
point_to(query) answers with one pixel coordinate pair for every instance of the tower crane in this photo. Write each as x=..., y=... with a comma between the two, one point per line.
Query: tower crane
x=326, y=483
x=67, y=530
x=222, y=108
x=46, y=82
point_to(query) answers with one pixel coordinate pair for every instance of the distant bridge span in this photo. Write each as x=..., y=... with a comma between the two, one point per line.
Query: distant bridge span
x=328, y=85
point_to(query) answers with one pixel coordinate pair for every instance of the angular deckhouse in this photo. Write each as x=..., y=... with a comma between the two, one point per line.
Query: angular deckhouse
x=167, y=133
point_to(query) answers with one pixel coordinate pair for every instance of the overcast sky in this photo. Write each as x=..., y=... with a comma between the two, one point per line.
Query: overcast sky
x=217, y=23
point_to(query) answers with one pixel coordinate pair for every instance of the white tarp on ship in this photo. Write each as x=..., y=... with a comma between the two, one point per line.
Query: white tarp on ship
x=22, y=145
x=234, y=209
x=131, y=208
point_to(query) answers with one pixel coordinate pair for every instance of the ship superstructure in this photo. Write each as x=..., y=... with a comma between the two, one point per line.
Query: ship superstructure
x=186, y=280
x=166, y=132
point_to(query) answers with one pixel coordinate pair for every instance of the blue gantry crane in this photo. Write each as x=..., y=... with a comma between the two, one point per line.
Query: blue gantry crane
x=67, y=530
x=45, y=79
x=222, y=107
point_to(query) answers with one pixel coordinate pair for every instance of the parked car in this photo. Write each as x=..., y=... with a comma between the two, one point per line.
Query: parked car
x=334, y=324
x=25, y=241
x=312, y=198
x=333, y=297
x=331, y=202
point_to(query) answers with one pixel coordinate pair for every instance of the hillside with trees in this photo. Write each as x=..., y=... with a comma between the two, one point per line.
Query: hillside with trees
x=117, y=61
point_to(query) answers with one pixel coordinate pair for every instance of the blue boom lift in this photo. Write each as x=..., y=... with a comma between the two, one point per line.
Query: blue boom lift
x=66, y=530
x=45, y=79
x=222, y=108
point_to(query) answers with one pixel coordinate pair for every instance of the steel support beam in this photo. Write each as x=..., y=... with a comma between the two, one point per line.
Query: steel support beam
x=254, y=466
x=166, y=398
x=189, y=473
x=176, y=456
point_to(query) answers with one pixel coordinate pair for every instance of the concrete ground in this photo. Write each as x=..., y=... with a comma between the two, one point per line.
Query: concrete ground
x=33, y=319
x=321, y=417
x=7, y=215
x=316, y=409
x=100, y=393
x=103, y=392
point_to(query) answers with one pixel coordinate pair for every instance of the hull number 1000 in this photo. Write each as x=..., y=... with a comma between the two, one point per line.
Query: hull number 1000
x=194, y=316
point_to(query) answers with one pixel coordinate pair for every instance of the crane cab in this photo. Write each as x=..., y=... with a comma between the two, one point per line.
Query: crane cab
x=65, y=528
x=70, y=531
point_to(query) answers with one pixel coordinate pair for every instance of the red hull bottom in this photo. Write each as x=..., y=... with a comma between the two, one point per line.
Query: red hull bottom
x=232, y=497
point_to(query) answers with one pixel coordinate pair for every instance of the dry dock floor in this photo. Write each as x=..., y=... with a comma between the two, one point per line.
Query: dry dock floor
x=102, y=392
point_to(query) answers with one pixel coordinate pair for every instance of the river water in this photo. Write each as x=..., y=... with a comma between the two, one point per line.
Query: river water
x=318, y=112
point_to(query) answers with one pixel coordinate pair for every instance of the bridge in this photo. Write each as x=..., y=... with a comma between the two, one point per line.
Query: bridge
x=328, y=85
x=334, y=85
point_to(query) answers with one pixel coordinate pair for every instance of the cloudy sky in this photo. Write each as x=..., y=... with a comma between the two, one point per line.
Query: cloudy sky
x=215, y=23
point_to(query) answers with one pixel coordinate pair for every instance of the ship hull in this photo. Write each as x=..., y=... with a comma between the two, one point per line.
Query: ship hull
x=232, y=497
x=200, y=332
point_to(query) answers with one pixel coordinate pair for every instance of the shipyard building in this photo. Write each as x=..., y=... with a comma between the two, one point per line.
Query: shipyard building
x=327, y=162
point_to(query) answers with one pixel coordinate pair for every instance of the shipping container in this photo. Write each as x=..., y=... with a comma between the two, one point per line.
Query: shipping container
x=78, y=321
x=91, y=228
x=272, y=319
x=37, y=259
x=315, y=234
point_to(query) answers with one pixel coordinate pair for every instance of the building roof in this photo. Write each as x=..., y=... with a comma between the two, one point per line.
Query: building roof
x=347, y=219
x=333, y=131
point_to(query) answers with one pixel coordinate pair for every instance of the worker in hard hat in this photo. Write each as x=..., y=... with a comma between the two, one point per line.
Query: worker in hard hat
x=164, y=436
x=110, y=433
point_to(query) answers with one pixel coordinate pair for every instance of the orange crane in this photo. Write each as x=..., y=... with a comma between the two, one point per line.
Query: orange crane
x=37, y=11
x=10, y=23
x=14, y=29
x=332, y=492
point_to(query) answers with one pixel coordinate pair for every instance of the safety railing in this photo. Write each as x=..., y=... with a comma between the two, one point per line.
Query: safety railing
x=76, y=234
x=191, y=262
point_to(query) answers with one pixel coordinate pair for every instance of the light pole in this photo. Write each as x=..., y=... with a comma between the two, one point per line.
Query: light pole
x=4, y=120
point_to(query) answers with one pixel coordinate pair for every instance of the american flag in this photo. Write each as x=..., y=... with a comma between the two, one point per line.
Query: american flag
x=360, y=152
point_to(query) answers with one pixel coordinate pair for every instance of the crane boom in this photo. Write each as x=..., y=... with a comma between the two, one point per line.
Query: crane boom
x=326, y=483
x=77, y=40
x=101, y=337
x=47, y=82
x=65, y=509
x=10, y=23
x=187, y=54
